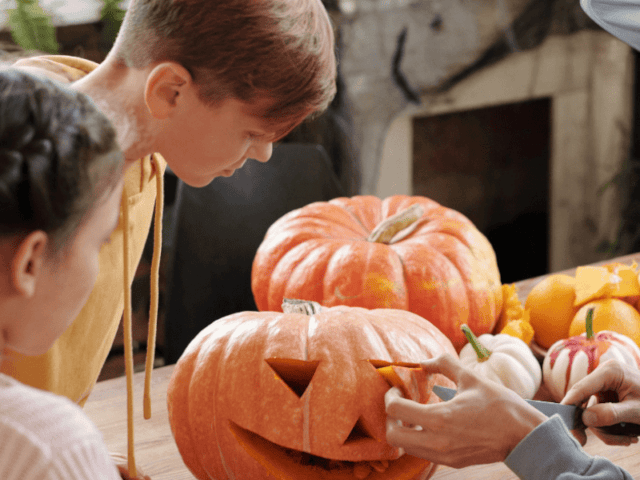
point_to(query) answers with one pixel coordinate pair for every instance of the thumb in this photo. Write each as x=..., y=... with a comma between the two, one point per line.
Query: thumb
x=446, y=365
x=604, y=414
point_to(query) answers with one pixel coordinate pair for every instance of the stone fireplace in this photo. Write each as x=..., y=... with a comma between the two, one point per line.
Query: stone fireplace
x=527, y=145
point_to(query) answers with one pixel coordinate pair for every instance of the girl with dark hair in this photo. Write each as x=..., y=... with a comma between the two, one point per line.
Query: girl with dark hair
x=201, y=86
x=60, y=193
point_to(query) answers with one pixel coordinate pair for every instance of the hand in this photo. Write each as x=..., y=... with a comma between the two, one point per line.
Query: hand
x=610, y=377
x=481, y=424
x=123, y=468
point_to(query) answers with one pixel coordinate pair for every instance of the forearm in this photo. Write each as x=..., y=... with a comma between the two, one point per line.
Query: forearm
x=551, y=452
x=618, y=17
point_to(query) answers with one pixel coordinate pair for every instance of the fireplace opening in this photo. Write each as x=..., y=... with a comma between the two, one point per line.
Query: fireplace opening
x=493, y=165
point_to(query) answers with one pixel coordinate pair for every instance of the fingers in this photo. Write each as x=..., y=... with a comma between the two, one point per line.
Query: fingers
x=604, y=414
x=392, y=394
x=608, y=376
x=445, y=364
x=614, y=439
x=433, y=446
x=400, y=408
x=585, y=388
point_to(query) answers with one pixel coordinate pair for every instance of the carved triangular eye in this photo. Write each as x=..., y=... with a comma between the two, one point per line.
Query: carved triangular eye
x=297, y=374
x=358, y=433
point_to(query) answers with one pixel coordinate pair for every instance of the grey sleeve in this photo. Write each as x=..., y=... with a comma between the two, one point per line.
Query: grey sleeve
x=551, y=452
x=621, y=18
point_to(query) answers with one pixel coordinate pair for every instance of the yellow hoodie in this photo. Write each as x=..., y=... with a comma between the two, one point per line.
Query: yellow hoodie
x=71, y=367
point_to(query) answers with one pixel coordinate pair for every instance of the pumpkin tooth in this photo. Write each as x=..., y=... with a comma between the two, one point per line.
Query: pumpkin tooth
x=380, y=465
x=361, y=470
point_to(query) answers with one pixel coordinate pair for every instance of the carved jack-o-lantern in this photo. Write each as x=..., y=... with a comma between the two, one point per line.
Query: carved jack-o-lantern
x=269, y=395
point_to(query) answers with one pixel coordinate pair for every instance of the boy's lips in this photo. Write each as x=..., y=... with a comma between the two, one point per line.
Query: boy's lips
x=227, y=172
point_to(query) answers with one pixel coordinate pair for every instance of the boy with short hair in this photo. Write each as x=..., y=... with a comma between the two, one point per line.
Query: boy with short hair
x=201, y=85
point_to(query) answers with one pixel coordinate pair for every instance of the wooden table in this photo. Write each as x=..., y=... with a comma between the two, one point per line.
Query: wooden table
x=157, y=454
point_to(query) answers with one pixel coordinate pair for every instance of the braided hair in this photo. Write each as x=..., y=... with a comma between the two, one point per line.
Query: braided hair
x=58, y=156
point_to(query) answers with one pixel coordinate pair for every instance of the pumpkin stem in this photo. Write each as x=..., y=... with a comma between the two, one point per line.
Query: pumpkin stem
x=589, y=322
x=386, y=230
x=305, y=307
x=483, y=352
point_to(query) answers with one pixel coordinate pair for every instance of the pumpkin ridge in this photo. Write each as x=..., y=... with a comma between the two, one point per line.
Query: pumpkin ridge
x=454, y=228
x=468, y=271
x=394, y=204
x=289, y=280
x=458, y=310
x=368, y=215
x=379, y=328
x=371, y=279
x=179, y=418
x=380, y=324
x=318, y=224
x=337, y=217
x=623, y=343
x=217, y=434
x=284, y=270
x=356, y=218
x=200, y=447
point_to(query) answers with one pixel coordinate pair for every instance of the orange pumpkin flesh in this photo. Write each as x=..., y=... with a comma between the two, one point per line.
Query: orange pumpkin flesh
x=413, y=382
x=286, y=464
x=440, y=267
x=292, y=396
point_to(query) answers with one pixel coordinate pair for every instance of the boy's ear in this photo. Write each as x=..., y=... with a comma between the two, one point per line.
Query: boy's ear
x=166, y=82
x=27, y=263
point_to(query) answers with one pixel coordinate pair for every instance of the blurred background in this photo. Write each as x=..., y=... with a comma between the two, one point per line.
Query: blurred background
x=521, y=114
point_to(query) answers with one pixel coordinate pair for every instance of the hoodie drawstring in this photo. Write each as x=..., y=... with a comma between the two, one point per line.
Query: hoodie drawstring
x=153, y=313
x=154, y=297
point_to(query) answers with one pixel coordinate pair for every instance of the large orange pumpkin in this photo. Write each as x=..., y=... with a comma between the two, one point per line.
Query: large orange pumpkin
x=290, y=396
x=403, y=252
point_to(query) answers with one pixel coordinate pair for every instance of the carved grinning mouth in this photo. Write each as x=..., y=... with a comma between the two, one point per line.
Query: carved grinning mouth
x=288, y=464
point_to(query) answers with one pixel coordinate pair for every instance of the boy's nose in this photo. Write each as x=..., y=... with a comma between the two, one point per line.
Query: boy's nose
x=262, y=151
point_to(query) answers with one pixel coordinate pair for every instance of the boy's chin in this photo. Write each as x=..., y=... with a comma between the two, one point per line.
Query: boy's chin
x=198, y=182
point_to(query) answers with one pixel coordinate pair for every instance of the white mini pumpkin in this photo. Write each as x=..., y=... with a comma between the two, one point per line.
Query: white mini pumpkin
x=503, y=359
